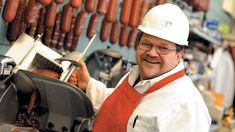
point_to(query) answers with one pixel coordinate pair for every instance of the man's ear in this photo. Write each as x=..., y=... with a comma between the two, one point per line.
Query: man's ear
x=180, y=54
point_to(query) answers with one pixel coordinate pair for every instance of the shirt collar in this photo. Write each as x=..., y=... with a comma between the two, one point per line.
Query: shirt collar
x=134, y=73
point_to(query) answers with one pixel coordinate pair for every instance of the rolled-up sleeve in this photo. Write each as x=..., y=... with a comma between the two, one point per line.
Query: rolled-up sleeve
x=97, y=92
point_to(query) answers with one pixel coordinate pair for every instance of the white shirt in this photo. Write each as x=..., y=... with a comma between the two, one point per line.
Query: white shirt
x=177, y=107
x=223, y=78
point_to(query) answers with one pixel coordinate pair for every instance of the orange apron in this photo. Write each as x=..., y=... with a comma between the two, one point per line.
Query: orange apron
x=118, y=107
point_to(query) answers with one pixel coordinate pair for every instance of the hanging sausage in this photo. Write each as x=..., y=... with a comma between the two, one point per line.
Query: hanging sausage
x=111, y=14
x=105, y=28
x=114, y=32
x=9, y=10
x=69, y=36
x=60, y=40
x=31, y=29
x=41, y=19
x=23, y=25
x=90, y=5
x=59, y=1
x=204, y=5
x=31, y=18
x=92, y=25
x=66, y=18
x=146, y=5
x=47, y=36
x=50, y=15
x=75, y=3
x=135, y=13
x=13, y=29
x=32, y=12
x=159, y=2
x=1, y=4
x=132, y=38
x=103, y=7
x=74, y=43
x=44, y=2
x=123, y=36
x=56, y=30
x=80, y=23
x=125, y=11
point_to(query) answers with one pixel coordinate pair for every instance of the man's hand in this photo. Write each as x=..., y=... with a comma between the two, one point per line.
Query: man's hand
x=80, y=76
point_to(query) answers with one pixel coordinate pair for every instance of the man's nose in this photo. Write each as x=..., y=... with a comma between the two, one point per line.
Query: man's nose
x=153, y=52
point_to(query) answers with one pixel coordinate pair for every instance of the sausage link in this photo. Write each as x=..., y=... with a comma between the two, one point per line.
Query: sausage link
x=123, y=36
x=146, y=5
x=74, y=43
x=59, y=1
x=61, y=40
x=13, y=30
x=23, y=24
x=111, y=14
x=10, y=35
x=56, y=30
x=31, y=31
x=50, y=15
x=132, y=38
x=31, y=18
x=40, y=24
x=135, y=14
x=204, y=6
x=75, y=3
x=103, y=7
x=66, y=18
x=9, y=10
x=44, y=2
x=80, y=23
x=92, y=25
x=90, y=5
x=114, y=32
x=47, y=36
x=126, y=12
x=69, y=36
x=105, y=28
x=159, y=2
x=68, y=41
x=32, y=11
x=1, y=4
x=23, y=27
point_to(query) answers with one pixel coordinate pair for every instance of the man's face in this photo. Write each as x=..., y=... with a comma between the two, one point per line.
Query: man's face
x=156, y=60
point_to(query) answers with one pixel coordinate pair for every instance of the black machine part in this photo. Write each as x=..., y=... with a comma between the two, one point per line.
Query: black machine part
x=8, y=102
x=58, y=104
x=8, y=97
x=23, y=83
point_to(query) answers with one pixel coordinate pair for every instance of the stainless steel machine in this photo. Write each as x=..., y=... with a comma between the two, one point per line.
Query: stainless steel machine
x=34, y=102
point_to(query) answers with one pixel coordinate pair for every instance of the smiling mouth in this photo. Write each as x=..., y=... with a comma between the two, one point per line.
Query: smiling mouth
x=150, y=60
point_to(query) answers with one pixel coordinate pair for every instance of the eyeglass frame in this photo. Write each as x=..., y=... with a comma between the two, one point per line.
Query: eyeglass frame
x=161, y=49
x=178, y=47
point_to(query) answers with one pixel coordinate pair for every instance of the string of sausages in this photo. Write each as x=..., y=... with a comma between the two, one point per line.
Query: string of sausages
x=62, y=23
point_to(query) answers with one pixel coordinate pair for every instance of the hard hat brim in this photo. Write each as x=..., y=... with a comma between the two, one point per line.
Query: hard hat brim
x=159, y=34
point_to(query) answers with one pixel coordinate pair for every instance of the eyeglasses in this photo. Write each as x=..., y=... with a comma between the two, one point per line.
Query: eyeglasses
x=161, y=49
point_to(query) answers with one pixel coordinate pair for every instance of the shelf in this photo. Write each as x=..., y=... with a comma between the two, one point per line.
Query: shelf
x=205, y=36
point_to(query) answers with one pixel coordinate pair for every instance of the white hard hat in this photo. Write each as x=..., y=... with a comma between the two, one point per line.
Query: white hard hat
x=166, y=21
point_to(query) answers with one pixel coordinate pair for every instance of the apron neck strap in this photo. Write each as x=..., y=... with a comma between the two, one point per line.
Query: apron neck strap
x=165, y=81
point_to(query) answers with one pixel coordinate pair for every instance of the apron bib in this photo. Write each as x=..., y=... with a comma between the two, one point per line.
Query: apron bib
x=119, y=106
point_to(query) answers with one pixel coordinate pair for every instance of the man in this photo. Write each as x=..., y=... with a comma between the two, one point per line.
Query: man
x=155, y=95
